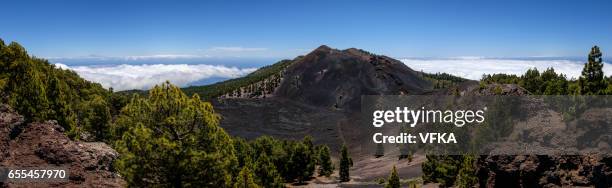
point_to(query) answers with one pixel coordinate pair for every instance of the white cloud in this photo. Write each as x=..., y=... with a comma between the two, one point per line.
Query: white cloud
x=474, y=68
x=125, y=77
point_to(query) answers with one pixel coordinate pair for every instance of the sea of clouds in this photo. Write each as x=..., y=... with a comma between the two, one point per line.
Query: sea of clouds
x=126, y=77
x=474, y=67
x=144, y=76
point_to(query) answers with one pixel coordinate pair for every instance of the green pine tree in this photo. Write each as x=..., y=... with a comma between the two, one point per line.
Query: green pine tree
x=244, y=152
x=394, y=180
x=245, y=179
x=467, y=174
x=531, y=81
x=97, y=117
x=313, y=155
x=327, y=167
x=172, y=140
x=27, y=90
x=441, y=169
x=608, y=88
x=345, y=164
x=592, y=78
x=60, y=106
x=266, y=173
x=380, y=150
x=302, y=162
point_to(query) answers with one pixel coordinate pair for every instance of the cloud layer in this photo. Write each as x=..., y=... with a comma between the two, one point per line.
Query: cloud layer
x=125, y=77
x=474, y=68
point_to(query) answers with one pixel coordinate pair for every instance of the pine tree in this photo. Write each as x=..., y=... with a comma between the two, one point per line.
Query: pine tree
x=394, y=180
x=302, y=162
x=170, y=138
x=245, y=179
x=266, y=173
x=307, y=140
x=345, y=164
x=467, y=174
x=441, y=169
x=531, y=81
x=313, y=156
x=61, y=109
x=244, y=152
x=380, y=150
x=4, y=73
x=26, y=84
x=592, y=78
x=327, y=167
x=97, y=118
x=609, y=88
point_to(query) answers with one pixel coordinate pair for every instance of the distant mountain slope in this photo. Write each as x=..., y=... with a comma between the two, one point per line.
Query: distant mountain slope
x=256, y=84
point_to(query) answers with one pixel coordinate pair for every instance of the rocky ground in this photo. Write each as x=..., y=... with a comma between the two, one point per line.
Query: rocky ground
x=291, y=120
x=547, y=170
x=44, y=144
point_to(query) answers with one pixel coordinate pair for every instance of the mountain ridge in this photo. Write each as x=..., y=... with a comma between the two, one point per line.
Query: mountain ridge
x=322, y=71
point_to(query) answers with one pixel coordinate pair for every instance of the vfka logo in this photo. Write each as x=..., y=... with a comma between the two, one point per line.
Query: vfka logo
x=438, y=138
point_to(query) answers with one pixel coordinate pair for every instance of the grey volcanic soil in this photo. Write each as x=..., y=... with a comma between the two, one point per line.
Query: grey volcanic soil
x=286, y=119
x=320, y=96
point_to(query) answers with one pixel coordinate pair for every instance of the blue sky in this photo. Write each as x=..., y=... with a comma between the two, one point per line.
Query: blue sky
x=284, y=29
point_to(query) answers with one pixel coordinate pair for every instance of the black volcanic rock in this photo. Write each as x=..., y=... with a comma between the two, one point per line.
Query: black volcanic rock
x=337, y=78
